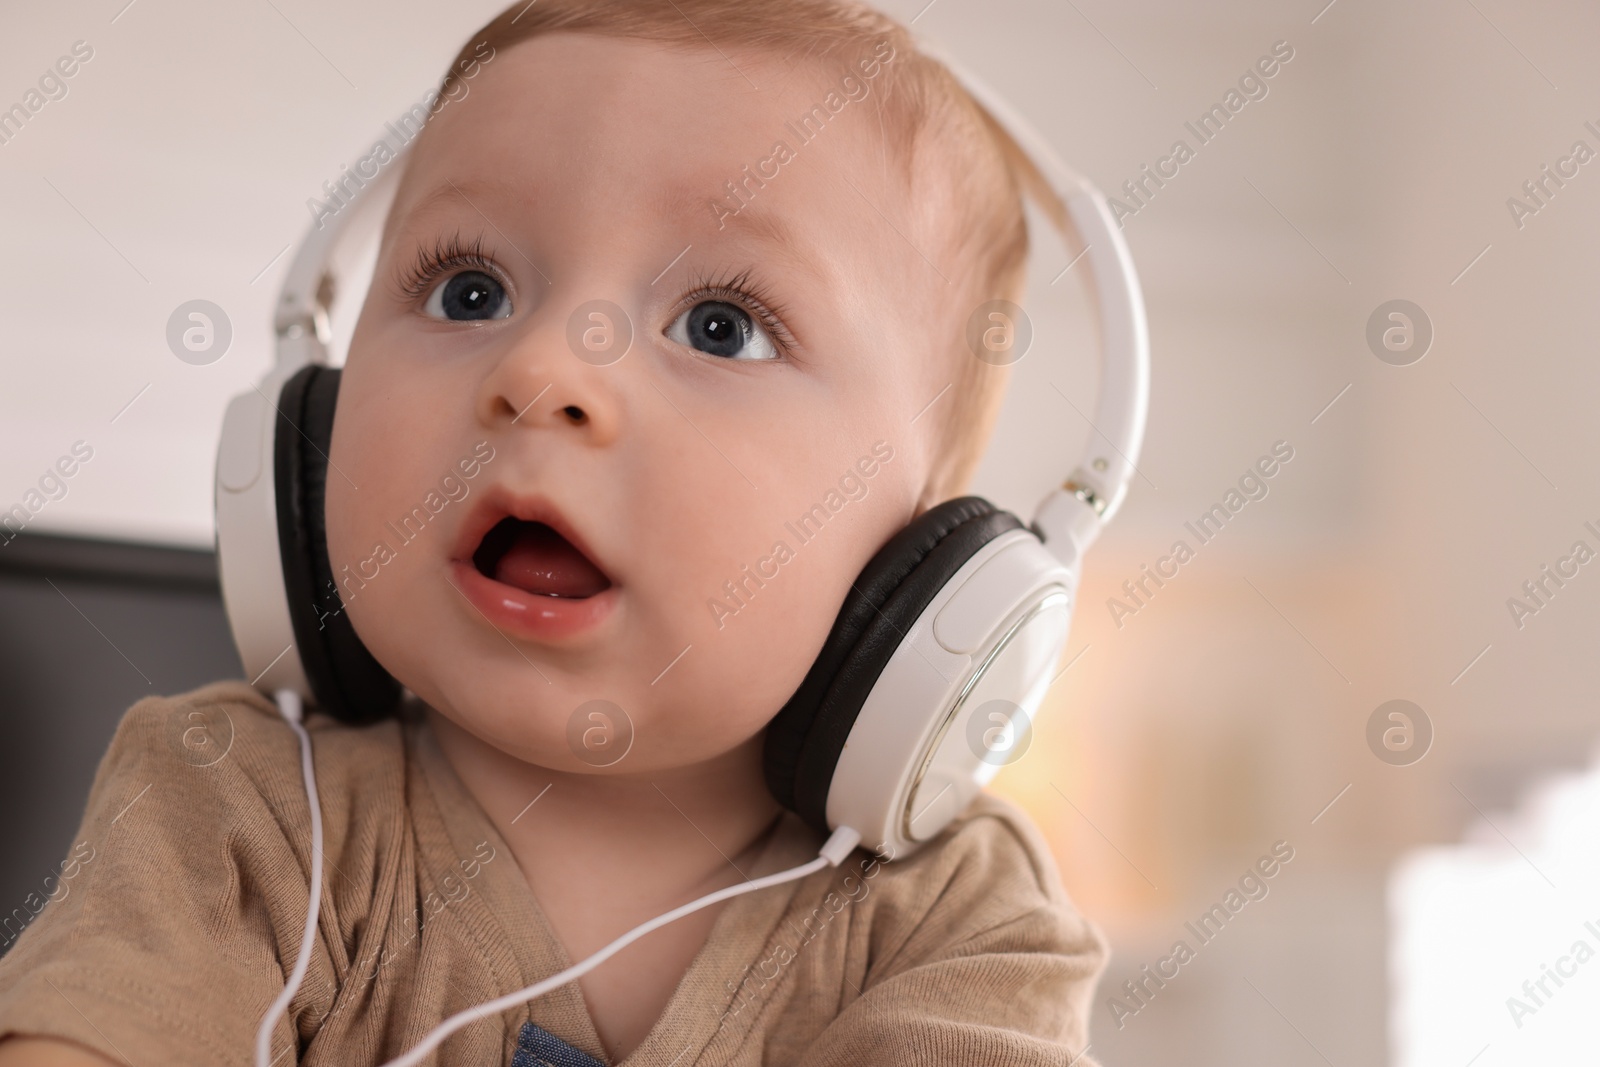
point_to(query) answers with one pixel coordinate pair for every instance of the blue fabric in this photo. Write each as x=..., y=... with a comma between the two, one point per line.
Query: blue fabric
x=538, y=1047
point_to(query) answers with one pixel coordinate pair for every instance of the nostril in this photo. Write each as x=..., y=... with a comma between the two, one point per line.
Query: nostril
x=575, y=413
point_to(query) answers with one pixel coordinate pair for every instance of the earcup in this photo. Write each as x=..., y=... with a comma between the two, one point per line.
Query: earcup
x=347, y=681
x=805, y=738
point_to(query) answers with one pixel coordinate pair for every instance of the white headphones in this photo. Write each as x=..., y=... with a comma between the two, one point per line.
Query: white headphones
x=944, y=646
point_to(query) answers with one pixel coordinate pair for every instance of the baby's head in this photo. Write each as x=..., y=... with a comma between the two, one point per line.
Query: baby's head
x=688, y=281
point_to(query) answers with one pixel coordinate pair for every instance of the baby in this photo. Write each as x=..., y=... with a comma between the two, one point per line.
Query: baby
x=629, y=200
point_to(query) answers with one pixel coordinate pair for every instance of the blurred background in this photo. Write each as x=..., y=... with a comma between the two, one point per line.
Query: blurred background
x=1440, y=460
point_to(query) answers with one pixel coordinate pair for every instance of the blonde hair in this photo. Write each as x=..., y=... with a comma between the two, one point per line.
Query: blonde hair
x=922, y=102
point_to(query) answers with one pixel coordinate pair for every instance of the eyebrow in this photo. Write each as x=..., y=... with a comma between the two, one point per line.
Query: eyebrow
x=764, y=227
x=432, y=197
x=468, y=193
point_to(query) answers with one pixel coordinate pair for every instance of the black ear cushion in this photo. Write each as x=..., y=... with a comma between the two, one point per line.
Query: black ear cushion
x=805, y=738
x=346, y=680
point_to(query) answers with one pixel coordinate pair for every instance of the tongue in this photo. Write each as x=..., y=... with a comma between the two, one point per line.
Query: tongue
x=542, y=561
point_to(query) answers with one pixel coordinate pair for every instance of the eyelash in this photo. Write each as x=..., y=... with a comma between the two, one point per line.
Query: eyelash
x=741, y=289
x=745, y=291
x=444, y=257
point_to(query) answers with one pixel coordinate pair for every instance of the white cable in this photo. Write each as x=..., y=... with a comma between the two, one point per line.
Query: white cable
x=833, y=852
x=289, y=707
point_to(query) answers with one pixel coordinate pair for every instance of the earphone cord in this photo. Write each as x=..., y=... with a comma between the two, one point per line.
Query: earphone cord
x=832, y=853
x=289, y=707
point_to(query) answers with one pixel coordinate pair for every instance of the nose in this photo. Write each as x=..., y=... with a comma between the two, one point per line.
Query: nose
x=539, y=382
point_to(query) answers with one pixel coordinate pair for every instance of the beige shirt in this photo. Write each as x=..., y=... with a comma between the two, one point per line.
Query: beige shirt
x=187, y=895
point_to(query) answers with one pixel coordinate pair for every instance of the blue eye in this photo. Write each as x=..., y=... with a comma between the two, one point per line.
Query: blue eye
x=468, y=296
x=719, y=328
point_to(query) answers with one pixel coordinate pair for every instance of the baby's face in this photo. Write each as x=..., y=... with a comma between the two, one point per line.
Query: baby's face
x=758, y=429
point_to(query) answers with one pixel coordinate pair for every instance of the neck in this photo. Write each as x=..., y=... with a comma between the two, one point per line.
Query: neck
x=676, y=830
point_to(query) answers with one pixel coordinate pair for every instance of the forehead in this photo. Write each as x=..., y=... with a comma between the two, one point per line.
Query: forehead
x=595, y=133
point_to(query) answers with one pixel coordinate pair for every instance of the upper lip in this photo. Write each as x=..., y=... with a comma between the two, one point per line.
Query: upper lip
x=497, y=502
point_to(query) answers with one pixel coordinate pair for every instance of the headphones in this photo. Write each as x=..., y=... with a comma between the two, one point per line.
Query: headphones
x=942, y=650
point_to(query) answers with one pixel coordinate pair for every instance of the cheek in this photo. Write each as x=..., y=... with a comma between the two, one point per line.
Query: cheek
x=384, y=544
x=762, y=576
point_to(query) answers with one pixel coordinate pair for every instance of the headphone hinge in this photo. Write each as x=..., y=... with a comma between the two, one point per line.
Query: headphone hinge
x=1085, y=493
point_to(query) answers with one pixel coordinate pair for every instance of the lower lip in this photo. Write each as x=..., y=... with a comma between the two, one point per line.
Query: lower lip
x=531, y=615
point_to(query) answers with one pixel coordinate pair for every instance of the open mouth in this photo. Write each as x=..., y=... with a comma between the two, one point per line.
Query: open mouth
x=535, y=558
